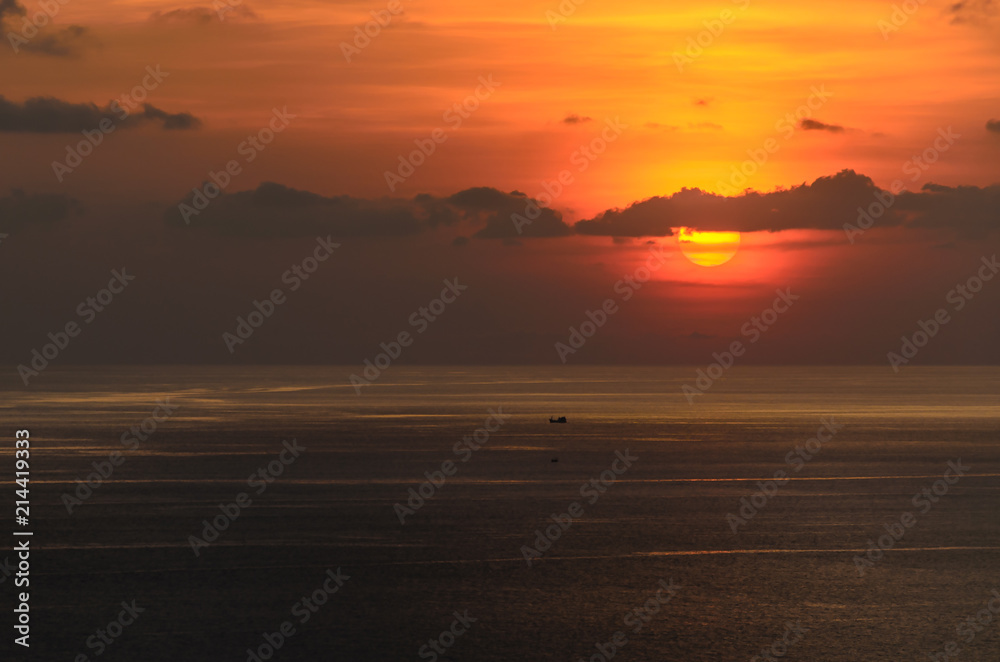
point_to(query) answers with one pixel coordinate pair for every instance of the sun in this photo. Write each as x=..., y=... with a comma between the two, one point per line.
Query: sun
x=708, y=249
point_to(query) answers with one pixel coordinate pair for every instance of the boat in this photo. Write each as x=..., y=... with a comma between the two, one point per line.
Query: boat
x=561, y=419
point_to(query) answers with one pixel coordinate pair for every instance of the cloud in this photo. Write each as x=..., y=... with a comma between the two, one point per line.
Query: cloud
x=496, y=209
x=969, y=210
x=49, y=115
x=203, y=15
x=576, y=119
x=67, y=42
x=816, y=125
x=10, y=8
x=276, y=210
x=484, y=213
x=827, y=204
x=993, y=125
x=171, y=121
x=973, y=11
x=20, y=209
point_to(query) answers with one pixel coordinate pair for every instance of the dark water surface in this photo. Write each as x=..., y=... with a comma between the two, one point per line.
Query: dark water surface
x=664, y=518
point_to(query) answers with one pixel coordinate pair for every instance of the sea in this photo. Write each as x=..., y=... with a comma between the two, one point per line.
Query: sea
x=276, y=513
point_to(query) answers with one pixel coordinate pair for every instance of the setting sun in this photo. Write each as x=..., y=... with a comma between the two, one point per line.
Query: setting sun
x=708, y=249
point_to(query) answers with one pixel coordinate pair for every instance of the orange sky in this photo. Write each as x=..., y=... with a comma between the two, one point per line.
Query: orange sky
x=605, y=61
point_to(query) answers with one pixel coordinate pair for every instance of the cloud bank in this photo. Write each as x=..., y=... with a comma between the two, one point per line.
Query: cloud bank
x=275, y=210
x=829, y=203
x=826, y=204
x=50, y=115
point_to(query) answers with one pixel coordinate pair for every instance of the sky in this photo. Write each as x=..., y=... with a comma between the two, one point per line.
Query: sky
x=542, y=153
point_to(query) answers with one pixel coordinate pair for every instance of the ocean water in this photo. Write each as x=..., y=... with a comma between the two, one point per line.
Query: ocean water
x=800, y=573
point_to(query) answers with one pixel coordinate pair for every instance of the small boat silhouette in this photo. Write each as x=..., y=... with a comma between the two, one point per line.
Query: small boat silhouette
x=561, y=419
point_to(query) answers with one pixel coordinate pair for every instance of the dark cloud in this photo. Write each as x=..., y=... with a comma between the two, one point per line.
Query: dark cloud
x=500, y=211
x=969, y=210
x=816, y=125
x=171, y=121
x=276, y=210
x=10, y=8
x=973, y=11
x=203, y=15
x=827, y=204
x=993, y=125
x=484, y=198
x=576, y=119
x=49, y=115
x=20, y=209
x=67, y=42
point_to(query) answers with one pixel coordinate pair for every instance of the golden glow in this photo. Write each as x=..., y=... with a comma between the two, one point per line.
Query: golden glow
x=708, y=249
x=686, y=128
